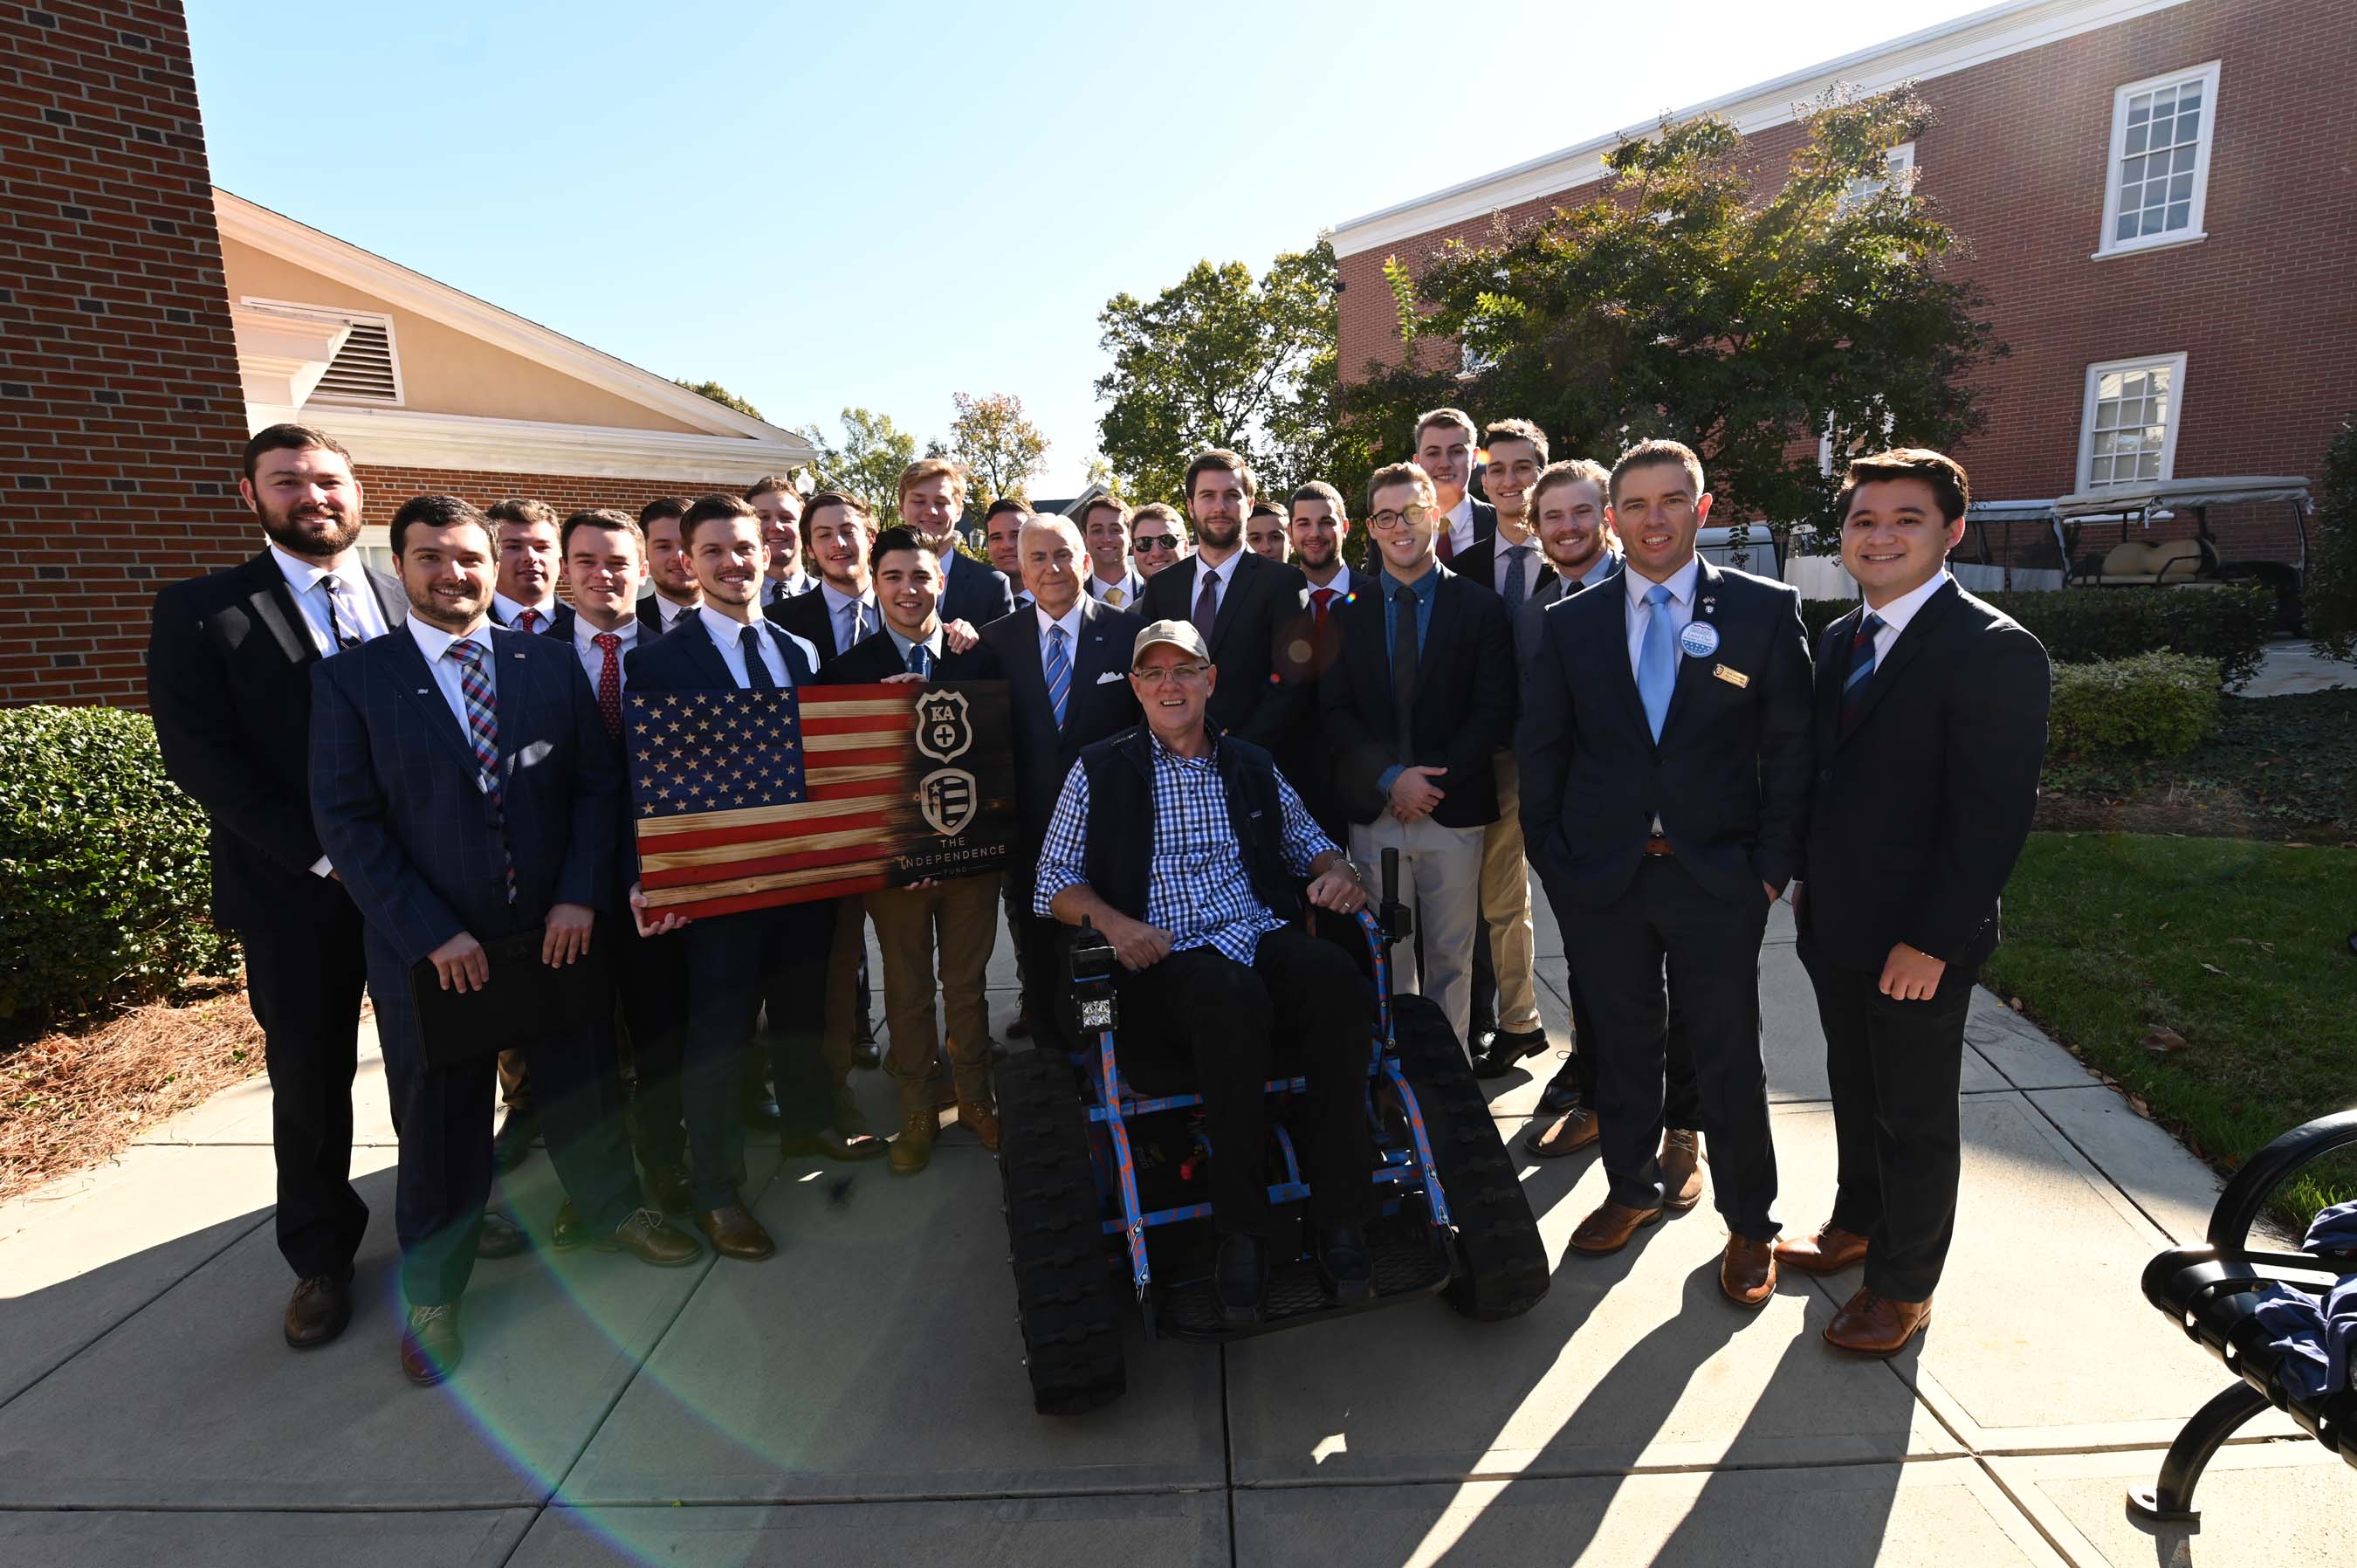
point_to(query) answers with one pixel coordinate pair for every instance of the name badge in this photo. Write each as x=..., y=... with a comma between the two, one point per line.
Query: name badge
x=1735, y=678
x=1700, y=639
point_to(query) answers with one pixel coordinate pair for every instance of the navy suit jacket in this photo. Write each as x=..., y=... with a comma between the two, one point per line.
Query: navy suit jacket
x=395, y=793
x=1729, y=776
x=229, y=682
x=977, y=594
x=1256, y=698
x=878, y=658
x=685, y=660
x=1094, y=709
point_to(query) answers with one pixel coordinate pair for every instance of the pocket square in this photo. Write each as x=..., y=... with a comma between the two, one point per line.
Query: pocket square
x=1109, y=676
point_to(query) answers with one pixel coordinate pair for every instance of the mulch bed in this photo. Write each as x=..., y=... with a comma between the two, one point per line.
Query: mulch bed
x=71, y=1100
x=2277, y=769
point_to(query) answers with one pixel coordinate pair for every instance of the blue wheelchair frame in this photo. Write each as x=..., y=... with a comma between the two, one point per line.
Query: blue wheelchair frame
x=1404, y=1172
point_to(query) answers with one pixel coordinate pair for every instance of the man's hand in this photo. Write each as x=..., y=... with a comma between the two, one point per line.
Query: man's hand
x=568, y=937
x=905, y=678
x=670, y=921
x=1338, y=889
x=1140, y=945
x=959, y=635
x=460, y=963
x=1910, y=975
x=1772, y=891
x=1414, y=794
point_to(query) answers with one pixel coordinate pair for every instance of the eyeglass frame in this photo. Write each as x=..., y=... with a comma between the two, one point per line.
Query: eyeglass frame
x=1159, y=674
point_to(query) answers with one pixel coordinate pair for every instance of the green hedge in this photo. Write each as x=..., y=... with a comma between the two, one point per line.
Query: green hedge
x=2155, y=704
x=104, y=880
x=2227, y=626
x=2332, y=598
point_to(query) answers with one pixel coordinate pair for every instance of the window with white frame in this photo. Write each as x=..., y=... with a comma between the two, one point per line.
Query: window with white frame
x=2159, y=175
x=1897, y=174
x=2127, y=432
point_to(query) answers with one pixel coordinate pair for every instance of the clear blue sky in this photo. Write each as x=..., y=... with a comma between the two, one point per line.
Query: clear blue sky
x=882, y=204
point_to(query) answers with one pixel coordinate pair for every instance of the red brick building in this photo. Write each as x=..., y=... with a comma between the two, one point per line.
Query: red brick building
x=2161, y=214
x=149, y=322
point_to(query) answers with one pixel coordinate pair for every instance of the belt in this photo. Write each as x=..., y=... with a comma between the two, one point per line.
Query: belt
x=1657, y=844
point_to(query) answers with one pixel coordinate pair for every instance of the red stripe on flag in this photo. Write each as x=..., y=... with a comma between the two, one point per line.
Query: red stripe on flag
x=859, y=757
x=755, y=833
x=876, y=723
x=729, y=870
x=740, y=902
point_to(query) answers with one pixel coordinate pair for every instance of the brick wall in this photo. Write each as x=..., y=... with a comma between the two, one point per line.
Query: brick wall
x=2265, y=309
x=120, y=417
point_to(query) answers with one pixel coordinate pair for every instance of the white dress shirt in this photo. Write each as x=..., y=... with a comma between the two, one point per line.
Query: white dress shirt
x=362, y=616
x=434, y=644
x=1222, y=574
x=667, y=614
x=1340, y=585
x=504, y=611
x=838, y=609
x=1534, y=561
x=1902, y=609
x=1460, y=525
x=727, y=636
x=1680, y=608
x=1129, y=584
x=592, y=658
x=1070, y=621
x=776, y=588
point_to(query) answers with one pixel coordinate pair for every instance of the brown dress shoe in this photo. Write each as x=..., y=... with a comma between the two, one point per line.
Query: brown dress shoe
x=920, y=1123
x=645, y=1236
x=1609, y=1228
x=1873, y=1324
x=735, y=1233
x=319, y=1309
x=1828, y=1251
x=1747, y=1272
x=1682, y=1159
x=1568, y=1133
x=430, y=1346
x=982, y=1120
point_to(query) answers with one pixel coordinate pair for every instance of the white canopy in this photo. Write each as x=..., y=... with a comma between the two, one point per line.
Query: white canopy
x=2182, y=492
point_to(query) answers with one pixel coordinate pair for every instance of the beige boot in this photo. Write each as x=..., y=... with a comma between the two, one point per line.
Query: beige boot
x=920, y=1123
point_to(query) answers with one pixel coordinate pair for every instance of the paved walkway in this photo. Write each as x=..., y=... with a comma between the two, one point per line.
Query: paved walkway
x=861, y=1399
x=2288, y=667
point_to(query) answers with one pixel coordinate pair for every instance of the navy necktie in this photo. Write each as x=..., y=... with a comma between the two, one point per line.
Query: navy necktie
x=757, y=669
x=1860, y=673
x=921, y=661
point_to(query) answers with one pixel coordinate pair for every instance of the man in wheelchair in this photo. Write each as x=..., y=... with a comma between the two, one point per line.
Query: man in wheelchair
x=1187, y=851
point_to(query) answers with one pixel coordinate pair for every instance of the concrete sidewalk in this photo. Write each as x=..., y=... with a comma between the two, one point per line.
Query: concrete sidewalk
x=861, y=1398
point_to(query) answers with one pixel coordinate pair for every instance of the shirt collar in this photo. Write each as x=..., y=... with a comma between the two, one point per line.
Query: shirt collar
x=1341, y=583
x=1681, y=583
x=302, y=575
x=725, y=632
x=1907, y=606
x=434, y=642
x=506, y=610
x=837, y=600
x=1070, y=621
x=1424, y=588
x=1158, y=751
x=1099, y=587
x=1462, y=512
x=932, y=643
x=1599, y=569
x=585, y=636
x=1225, y=571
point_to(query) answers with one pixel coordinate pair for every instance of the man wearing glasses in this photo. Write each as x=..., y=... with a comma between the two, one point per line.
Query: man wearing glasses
x=1158, y=538
x=1414, y=712
x=1187, y=849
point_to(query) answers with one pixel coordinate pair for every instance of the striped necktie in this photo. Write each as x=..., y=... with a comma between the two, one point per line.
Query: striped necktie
x=1860, y=673
x=483, y=736
x=1059, y=670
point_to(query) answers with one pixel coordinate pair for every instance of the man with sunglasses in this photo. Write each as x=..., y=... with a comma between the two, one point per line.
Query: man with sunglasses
x=1187, y=849
x=1158, y=538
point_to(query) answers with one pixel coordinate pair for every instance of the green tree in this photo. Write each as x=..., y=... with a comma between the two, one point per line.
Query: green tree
x=1698, y=299
x=868, y=462
x=1219, y=358
x=2332, y=588
x=720, y=394
x=1000, y=448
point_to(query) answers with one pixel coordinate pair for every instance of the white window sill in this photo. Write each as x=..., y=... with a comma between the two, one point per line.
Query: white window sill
x=2139, y=247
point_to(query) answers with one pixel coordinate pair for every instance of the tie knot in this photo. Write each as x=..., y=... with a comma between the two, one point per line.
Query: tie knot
x=608, y=641
x=1056, y=635
x=1658, y=595
x=1323, y=595
x=1872, y=624
x=467, y=652
x=1516, y=552
x=1403, y=595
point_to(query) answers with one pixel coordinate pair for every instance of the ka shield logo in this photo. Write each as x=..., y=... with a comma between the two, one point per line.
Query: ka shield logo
x=943, y=730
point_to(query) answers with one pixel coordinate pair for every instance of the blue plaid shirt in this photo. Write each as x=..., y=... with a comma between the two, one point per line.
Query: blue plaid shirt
x=1195, y=887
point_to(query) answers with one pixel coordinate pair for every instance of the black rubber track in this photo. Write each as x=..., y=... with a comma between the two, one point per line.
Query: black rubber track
x=1064, y=1289
x=1506, y=1265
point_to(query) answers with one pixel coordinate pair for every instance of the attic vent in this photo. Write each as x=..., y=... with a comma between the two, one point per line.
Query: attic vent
x=364, y=370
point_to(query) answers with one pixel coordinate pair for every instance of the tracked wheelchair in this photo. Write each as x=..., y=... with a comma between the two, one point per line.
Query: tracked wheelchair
x=1105, y=1188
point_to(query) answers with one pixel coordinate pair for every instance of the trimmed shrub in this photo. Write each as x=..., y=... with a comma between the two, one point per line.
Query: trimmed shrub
x=2227, y=626
x=2331, y=597
x=2155, y=704
x=104, y=879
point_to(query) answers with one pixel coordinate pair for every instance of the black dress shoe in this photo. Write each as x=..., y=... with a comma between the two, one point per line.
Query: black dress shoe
x=500, y=1237
x=761, y=1111
x=1241, y=1277
x=866, y=1035
x=869, y=1056
x=513, y=1143
x=1562, y=1091
x=1020, y=1029
x=319, y=1310
x=1349, y=1267
x=1504, y=1050
x=669, y=1188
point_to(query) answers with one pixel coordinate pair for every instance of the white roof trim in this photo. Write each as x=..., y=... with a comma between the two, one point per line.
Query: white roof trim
x=390, y=438
x=1951, y=46
x=347, y=264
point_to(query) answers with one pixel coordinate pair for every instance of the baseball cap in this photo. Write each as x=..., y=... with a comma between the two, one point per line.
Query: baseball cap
x=1179, y=633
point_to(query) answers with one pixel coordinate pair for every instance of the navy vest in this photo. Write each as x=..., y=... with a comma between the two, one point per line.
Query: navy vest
x=1120, y=772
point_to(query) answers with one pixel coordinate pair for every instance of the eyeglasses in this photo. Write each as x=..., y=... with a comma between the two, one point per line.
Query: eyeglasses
x=1155, y=675
x=1407, y=517
x=1153, y=541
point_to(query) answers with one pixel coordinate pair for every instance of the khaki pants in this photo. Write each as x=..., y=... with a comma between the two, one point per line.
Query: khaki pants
x=958, y=920
x=1440, y=883
x=1506, y=903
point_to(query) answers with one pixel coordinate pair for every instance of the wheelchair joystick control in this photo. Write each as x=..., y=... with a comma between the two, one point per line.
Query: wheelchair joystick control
x=1398, y=924
x=1095, y=968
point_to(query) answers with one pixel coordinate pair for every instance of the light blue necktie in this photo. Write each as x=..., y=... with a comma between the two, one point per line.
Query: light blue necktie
x=1657, y=664
x=1060, y=674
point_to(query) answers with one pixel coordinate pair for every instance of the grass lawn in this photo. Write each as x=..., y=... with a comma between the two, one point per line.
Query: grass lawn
x=2239, y=947
x=2277, y=767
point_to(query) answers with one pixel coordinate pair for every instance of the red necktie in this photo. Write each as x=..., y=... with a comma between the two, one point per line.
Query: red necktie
x=1324, y=596
x=1448, y=538
x=610, y=681
x=528, y=619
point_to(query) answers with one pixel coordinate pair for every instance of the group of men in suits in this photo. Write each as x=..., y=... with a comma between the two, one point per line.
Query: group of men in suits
x=404, y=776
